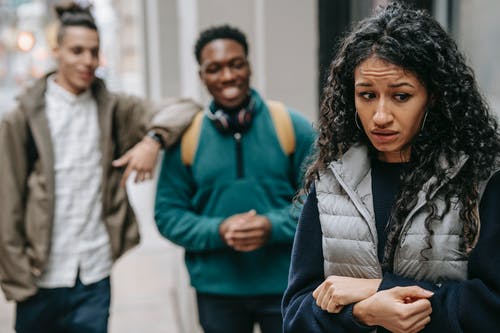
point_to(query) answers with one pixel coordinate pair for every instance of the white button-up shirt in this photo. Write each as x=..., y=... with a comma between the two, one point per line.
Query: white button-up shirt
x=80, y=243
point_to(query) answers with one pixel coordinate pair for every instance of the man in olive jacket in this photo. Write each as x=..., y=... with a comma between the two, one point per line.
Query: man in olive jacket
x=64, y=152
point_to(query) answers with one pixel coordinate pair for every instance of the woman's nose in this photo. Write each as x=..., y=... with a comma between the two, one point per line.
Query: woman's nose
x=382, y=116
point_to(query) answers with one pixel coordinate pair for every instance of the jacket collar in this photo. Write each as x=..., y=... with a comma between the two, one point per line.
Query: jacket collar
x=32, y=102
x=33, y=99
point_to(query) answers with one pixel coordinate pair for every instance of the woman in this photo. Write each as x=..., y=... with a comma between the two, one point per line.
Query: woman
x=401, y=226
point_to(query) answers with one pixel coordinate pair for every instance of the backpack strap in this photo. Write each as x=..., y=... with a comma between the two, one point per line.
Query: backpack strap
x=189, y=141
x=281, y=120
x=283, y=125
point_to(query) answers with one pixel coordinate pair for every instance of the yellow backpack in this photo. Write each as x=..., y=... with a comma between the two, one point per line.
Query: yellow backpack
x=281, y=120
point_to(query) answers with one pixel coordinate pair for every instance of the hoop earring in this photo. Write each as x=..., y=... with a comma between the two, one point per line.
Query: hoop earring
x=423, y=122
x=356, y=120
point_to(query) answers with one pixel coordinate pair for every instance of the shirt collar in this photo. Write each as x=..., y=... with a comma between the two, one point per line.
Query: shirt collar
x=58, y=92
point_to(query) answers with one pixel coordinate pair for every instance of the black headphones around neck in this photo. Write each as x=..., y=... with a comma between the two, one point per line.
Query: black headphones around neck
x=231, y=122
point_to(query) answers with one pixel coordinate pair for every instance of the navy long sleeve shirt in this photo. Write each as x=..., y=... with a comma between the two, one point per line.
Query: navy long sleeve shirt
x=460, y=306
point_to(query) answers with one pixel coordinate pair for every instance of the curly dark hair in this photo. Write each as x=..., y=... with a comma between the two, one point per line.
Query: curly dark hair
x=219, y=32
x=71, y=14
x=458, y=119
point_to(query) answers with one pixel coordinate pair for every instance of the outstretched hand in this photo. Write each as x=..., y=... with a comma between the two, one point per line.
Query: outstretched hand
x=140, y=158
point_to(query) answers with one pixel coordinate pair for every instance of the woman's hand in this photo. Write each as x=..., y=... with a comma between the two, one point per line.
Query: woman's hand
x=337, y=291
x=399, y=309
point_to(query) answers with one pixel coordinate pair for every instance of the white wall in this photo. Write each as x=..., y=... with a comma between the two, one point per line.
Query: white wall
x=477, y=32
x=282, y=37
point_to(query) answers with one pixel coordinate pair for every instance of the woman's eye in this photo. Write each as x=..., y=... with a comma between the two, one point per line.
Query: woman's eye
x=367, y=95
x=402, y=97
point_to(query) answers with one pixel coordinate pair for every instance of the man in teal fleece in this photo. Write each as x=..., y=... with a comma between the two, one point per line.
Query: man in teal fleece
x=230, y=206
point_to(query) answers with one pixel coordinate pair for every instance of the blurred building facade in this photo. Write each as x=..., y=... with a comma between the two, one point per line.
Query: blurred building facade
x=147, y=46
x=147, y=50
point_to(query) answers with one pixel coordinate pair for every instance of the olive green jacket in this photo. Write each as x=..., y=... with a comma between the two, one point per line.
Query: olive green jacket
x=27, y=177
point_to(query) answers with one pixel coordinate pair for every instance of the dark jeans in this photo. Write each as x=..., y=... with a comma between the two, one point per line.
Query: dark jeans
x=234, y=314
x=80, y=309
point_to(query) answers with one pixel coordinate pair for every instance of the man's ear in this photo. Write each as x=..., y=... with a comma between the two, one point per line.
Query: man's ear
x=200, y=74
x=55, y=52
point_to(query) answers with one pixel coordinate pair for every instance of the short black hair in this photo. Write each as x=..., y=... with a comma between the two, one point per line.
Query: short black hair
x=219, y=32
x=72, y=14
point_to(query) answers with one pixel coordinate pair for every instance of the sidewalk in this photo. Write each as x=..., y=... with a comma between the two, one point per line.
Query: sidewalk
x=151, y=289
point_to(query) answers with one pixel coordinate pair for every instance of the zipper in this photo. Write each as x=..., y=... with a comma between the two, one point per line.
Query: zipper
x=239, y=155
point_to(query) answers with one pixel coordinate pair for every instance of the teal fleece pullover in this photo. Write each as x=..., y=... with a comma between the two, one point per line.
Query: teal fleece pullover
x=191, y=203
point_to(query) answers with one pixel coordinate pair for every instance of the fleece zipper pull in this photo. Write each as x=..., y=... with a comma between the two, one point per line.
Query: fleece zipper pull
x=239, y=155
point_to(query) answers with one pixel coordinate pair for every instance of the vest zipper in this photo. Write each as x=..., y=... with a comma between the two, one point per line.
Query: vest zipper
x=239, y=155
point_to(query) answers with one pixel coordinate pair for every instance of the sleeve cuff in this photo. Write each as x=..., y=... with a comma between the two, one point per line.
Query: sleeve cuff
x=218, y=242
x=355, y=325
x=391, y=280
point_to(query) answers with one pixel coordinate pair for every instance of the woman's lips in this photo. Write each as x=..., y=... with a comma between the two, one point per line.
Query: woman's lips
x=384, y=136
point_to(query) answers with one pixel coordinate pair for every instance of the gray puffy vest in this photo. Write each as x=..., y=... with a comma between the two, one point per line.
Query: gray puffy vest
x=347, y=218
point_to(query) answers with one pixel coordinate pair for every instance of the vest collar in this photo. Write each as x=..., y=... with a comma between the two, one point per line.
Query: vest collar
x=355, y=164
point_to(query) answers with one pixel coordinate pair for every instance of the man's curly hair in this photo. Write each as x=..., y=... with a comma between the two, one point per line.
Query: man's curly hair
x=219, y=32
x=458, y=120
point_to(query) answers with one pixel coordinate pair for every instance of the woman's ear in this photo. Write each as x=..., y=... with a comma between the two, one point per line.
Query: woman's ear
x=432, y=101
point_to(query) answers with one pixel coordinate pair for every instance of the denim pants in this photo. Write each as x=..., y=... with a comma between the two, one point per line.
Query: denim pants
x=80, y=309
x=238, y=314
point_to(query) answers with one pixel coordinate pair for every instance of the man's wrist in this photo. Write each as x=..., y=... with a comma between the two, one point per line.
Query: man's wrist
x=156, y=137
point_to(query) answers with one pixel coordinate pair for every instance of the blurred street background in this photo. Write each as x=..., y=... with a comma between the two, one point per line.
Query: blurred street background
x=147, y=46
x=147, y=50
x=151, y=291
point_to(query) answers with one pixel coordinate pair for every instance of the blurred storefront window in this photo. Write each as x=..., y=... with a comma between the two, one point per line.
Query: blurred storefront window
x=26, y=27
x=476, y=27
x=27, y=35
x=24, y=49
